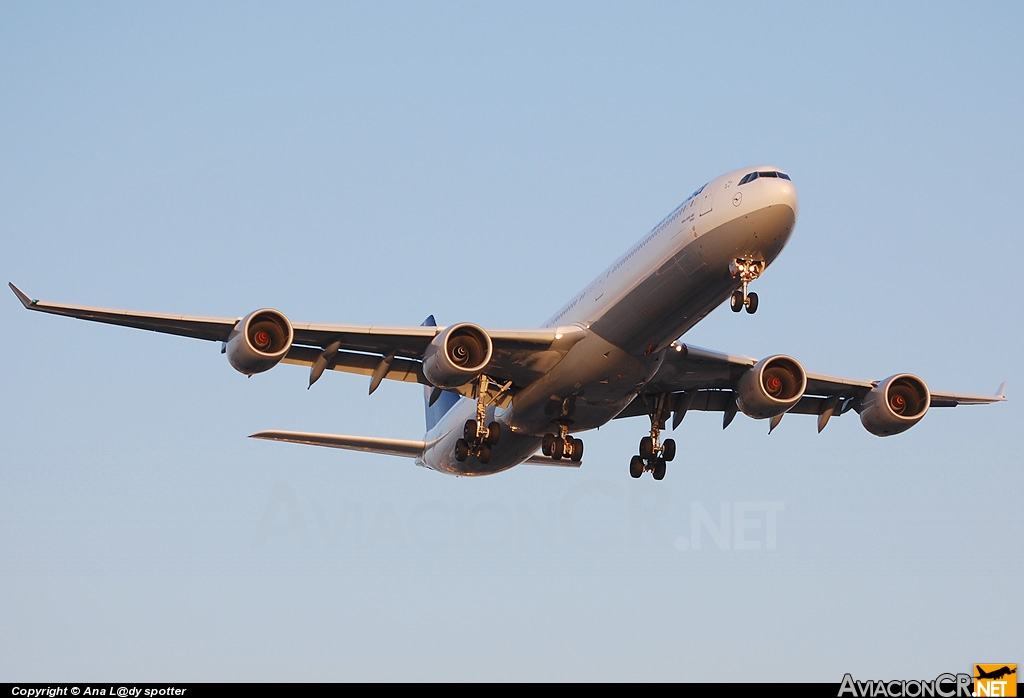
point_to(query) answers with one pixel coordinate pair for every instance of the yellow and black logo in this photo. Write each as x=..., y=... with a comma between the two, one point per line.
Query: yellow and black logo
x=995, y=680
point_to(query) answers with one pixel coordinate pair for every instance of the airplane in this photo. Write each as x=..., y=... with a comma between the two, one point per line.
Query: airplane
x=497, y=398
x=996, y=674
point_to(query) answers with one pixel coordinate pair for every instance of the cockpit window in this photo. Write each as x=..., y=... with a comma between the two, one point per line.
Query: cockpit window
x=755, y=175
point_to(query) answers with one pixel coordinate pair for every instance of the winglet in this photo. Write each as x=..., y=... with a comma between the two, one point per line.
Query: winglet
x=25, y=300
x=1001, y=393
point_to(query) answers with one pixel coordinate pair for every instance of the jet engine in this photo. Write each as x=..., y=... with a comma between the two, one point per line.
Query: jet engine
x=771, y=387
x=457, y=355
x=259, y=341
x=894, y=405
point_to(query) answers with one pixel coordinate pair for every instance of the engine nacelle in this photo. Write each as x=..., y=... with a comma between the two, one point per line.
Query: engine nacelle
x=259, y=341
x=457, y=355
x=771, y=387
x=894, y=405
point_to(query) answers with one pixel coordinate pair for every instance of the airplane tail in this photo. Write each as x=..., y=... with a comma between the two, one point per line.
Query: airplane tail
x=443, y=402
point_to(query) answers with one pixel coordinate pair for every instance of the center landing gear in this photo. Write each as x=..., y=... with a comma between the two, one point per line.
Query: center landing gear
x=747, y=270
x=562, y=445
x=477, y=436
x=654, y=455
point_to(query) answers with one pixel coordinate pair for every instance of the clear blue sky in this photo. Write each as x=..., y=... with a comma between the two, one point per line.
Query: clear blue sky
x=376, y=163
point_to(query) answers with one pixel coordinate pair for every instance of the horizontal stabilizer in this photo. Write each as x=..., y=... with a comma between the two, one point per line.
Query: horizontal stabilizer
x=538, y=459
x=369, y=444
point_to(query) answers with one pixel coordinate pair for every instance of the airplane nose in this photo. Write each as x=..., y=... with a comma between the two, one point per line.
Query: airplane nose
x=787, y=196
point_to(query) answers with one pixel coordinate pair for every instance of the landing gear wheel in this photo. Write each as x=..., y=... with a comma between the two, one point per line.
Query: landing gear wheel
x=636, y=466
x=461, y=450
x=547, y=444
x=493, y=433
x=557, y=448
x=469, y=431
x=576, y=452
x=668, y=449
x=736, y=301
x=751, y=303
x=659, y=469
x=484, y=454
x=646, y=447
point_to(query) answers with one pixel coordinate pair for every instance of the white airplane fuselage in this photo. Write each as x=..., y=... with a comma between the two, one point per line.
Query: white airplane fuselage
x=630, y=315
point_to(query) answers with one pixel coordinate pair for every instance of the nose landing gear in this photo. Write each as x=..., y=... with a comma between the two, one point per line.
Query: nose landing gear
x=746, y=270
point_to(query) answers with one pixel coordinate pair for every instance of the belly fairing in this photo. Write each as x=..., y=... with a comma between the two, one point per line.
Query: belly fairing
x=591, y=385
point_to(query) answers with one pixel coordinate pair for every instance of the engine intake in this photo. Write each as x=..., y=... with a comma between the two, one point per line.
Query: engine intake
x=259, y=341
x=771, y=387
x=894, y=405
x=457, y=355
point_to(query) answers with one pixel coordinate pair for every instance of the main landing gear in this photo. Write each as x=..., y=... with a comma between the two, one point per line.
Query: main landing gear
x=654, y=455
x=562, y=445
x=478, y=436
x=747, y=270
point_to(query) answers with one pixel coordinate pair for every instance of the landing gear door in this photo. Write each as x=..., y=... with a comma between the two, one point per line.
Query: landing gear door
x=707, y=197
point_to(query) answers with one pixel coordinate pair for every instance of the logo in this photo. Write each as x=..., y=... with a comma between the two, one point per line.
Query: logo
x=995, y=680
x=943, y=686
x=989, y=680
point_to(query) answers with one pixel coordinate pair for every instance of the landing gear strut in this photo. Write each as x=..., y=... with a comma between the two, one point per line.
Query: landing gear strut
x=478, y=436
x=562, y=445
x=653, y=454
x=747, y=270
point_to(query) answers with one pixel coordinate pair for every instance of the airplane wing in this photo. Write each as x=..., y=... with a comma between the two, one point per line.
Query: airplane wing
x=694, y=378
x=519, y=356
